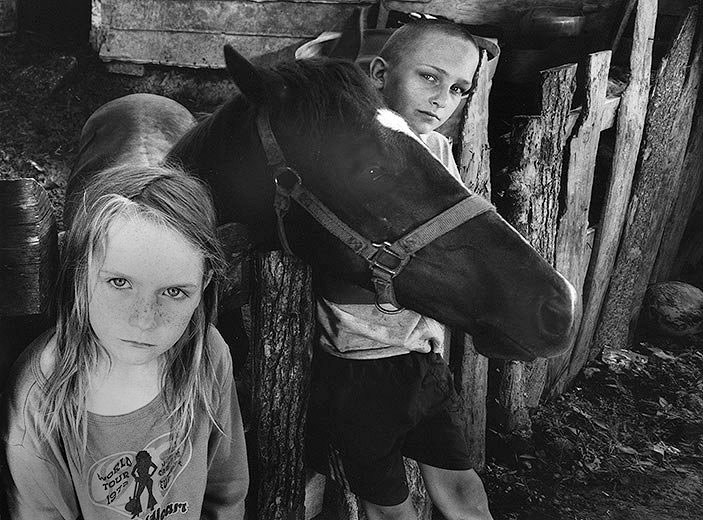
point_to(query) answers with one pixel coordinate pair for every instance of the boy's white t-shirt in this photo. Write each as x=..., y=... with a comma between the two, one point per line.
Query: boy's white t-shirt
x=361, y=331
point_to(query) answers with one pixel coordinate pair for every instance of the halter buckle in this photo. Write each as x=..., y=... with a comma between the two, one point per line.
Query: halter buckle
x=386, y=259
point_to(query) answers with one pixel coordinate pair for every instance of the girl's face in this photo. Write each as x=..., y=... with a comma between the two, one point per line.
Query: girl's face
x=143, y=294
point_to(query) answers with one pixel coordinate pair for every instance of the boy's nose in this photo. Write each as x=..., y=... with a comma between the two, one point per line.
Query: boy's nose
x=144, y=314
x=439, y=99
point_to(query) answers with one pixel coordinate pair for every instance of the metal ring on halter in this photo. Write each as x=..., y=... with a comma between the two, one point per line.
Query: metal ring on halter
x=393, y=310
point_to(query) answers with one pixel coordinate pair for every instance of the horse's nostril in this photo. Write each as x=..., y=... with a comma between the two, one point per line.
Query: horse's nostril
x=557, y=315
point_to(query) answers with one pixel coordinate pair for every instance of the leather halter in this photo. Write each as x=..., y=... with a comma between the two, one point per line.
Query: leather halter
x=386, y=260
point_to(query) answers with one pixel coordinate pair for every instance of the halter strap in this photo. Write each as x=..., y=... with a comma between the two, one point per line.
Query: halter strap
x=386, y=260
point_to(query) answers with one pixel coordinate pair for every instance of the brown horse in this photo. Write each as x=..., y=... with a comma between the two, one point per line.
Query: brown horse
x=360, y=161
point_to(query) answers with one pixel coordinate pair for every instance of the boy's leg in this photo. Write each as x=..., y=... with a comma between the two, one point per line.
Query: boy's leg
x=403, y=511
x=458, y=494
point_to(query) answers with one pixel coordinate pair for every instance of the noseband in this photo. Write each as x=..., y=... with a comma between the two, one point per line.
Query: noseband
x=386, y=260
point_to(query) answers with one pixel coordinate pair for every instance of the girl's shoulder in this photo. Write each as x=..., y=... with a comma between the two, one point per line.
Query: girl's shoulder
x=218, y=350
x=26, y=384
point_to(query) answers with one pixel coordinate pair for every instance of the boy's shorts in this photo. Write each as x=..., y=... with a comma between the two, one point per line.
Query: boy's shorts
x=365, y=415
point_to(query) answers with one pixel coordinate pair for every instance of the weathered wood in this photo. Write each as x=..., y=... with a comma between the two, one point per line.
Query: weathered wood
x=535, y=179
x=629, y=127
x=283, y=322
x=691, y=170
x=690, y=176
x=191, y=33
x=28, y=248
x=8, y=17
x=469, y=367
x=479, y=12
x=573, y=224
x=651, y=194
x=472, y=150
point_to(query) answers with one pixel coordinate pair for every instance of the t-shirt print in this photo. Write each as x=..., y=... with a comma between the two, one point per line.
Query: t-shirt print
x=136, y=484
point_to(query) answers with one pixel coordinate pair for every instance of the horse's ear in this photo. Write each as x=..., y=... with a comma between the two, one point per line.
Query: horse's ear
x=246, y=76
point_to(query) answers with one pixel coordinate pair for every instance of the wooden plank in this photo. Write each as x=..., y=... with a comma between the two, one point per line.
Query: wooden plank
x=690, y=176
x=28, y=248
x=187, y=49
x=651, y=194
x=573, y=224
x=469, y=367
x=535, y=208
x=283, y=321
x=289, y=19
x=629, y=128
x=190, y=33
x=479, y=12
x=8, y=17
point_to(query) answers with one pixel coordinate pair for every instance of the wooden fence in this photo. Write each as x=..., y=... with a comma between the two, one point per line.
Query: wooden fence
x=655, y=174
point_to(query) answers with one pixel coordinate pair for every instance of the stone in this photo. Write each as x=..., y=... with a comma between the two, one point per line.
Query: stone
x=673, y=309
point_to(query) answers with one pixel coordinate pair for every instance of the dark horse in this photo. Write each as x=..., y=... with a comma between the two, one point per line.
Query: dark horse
x=363, y=163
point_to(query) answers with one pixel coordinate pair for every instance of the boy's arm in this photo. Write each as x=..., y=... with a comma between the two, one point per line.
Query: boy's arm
x=228, y=470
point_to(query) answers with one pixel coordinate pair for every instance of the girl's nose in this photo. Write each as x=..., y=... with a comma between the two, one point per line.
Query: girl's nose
x=144, y=313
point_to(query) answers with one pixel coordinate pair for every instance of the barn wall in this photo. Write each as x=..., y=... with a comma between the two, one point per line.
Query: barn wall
x=191, y=33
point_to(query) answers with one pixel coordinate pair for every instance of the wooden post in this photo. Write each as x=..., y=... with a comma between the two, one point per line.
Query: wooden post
x=629, y=127
x=531, y=205
x=573, y=224
x=690, y=176
x=652, y=194
x=282, y=330
x=469, y=367
x=28, y=265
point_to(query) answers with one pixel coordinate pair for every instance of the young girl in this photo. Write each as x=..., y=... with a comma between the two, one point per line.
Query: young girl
x=128, y=409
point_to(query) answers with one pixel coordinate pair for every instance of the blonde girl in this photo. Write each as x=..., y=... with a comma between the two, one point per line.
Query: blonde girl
x=134, y=370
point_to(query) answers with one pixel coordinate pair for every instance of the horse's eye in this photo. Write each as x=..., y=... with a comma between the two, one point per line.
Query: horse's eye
x=374, y=171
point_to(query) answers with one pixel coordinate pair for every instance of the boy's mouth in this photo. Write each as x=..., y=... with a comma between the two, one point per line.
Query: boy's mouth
x=429, y=115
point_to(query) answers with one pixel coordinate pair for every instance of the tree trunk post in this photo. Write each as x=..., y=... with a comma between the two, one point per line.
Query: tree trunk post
x=571, y=254
x=629, y=127
x=531, y=204
x=651, y=195
x=282, y=330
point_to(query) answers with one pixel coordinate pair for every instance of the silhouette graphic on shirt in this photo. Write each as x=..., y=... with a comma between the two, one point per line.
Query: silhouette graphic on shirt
x=143, y=469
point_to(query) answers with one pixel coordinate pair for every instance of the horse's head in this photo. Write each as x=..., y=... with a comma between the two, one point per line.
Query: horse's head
x=363, y=162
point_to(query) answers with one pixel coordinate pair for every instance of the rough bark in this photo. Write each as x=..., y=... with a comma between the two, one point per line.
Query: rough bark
x=469, y=367
x=690, y=176
x=283, y=320
x=531, y=204
x=28, y=248
x=629, y=127
x=571, y=254
x=651, y=194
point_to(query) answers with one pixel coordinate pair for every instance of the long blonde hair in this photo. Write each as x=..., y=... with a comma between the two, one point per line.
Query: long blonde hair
x=170, y=197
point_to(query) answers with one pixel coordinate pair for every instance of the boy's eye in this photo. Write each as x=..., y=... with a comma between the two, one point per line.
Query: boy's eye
x=175, y=293
x=459, y=91
x=119, y=283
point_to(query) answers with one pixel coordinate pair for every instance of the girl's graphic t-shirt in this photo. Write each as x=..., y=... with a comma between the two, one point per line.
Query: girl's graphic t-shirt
x=130, y=468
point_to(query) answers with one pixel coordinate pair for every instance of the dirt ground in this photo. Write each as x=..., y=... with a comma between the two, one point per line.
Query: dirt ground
x=626, y=442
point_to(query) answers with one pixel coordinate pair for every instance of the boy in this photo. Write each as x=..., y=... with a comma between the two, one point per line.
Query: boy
x=380, y=389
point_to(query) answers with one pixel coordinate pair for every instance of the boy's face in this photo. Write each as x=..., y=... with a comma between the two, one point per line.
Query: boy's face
x=429, y=81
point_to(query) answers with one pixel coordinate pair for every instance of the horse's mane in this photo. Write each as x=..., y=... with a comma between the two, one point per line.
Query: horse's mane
x=319, y=95
x=325, y=92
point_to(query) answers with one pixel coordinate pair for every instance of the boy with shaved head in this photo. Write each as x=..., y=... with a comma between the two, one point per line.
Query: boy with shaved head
x=380, y=388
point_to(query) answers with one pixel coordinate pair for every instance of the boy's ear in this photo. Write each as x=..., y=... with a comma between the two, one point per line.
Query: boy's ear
x=377, y=71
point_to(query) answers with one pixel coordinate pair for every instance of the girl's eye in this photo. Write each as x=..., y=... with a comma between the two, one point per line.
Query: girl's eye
x=119, y=283
x=429, y=77
x=175, y=293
